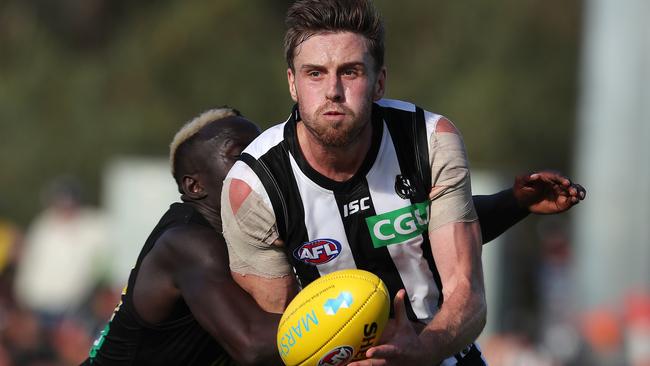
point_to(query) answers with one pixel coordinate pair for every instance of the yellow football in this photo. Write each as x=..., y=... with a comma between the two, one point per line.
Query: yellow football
x=334, y=320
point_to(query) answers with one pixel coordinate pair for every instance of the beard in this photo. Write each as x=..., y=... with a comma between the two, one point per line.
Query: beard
x=337, y=133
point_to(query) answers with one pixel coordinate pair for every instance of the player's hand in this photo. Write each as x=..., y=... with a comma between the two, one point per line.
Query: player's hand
x=403, y=348
x=547, y=192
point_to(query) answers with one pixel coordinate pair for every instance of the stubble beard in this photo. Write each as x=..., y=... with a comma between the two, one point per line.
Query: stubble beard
x=337, y=134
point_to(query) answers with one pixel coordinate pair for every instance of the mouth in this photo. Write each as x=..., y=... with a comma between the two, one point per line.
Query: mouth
x=334, y=113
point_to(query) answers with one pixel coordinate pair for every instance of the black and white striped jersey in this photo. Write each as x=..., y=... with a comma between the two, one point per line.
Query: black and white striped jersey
x=376, y=221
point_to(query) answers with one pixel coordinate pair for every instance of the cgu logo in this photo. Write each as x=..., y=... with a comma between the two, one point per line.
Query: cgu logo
x=318, y=251
x=337, y=356
x=398, y=226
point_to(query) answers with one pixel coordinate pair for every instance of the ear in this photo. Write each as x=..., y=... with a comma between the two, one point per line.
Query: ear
x=193, y=188
x=380, y=85
x=291, y=78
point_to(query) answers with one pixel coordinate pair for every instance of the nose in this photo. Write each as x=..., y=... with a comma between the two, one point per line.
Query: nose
x=334, y=89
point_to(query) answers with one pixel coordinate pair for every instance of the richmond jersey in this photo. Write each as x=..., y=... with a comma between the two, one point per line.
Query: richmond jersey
x=129, y=340
x=376, y=221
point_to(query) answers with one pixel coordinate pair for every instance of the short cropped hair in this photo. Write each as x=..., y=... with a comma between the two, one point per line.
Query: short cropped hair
x=306, y=18
x=180, y=144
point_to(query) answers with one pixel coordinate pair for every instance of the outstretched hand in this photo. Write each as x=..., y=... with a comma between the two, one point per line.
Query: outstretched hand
x=547, y=192
x=403, y=348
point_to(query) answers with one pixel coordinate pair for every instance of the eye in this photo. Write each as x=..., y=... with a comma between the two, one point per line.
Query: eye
x=350, y=73
x=314, y=74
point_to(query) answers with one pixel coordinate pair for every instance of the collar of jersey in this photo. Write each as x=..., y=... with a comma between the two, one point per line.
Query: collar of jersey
x=291, y=137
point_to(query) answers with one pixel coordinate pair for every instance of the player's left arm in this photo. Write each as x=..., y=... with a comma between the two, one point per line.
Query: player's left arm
x=455, y=237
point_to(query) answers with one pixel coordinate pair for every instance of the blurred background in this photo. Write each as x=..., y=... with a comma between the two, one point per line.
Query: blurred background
x=92, y=91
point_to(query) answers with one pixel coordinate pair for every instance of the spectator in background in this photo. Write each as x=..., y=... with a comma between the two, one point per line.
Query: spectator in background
x=65, y=247
x=10, y=249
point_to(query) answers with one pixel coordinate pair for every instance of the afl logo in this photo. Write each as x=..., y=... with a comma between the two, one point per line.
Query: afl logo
x=318, y=251
x=337, y=356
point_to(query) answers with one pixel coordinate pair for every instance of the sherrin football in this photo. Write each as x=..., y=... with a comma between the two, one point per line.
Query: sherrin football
x=334, y=320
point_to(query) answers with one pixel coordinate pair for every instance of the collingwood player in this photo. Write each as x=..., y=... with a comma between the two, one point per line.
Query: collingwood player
x=352, y=180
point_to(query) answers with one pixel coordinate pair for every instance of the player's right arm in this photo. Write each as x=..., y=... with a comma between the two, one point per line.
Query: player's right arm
x=257, y=259
x=192, y=261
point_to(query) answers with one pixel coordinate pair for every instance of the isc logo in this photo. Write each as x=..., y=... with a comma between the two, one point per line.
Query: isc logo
x=355, y=206
x=337, y=356
x=318, y=251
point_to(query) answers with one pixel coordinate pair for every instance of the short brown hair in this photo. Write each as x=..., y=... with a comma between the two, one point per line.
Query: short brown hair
x=308, y=17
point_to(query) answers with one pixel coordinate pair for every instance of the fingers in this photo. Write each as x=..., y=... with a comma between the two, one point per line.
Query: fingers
x=534, y=176
x=369, y=363
x=582, y=192
x=400, y=308
x=402, y=326
x=382, y=351
x=552, y=177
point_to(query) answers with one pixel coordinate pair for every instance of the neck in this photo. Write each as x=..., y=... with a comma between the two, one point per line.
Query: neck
x=212, y=215
x=337, y=163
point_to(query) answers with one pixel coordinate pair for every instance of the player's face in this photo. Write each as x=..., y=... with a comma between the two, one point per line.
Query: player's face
x=334, y=83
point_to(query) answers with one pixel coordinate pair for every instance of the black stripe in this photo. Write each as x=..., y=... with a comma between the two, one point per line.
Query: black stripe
x=411, y=141
x=424, y=169
x=294, y=234
x=366, y=256
x=470, y=358
x=272, y=189
x=422, y=147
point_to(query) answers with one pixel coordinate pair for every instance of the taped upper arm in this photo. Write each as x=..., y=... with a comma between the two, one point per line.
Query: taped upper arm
x=250, y=231
x=450, y=195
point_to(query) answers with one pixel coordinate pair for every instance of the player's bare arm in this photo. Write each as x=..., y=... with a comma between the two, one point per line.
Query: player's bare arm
x=192, y=262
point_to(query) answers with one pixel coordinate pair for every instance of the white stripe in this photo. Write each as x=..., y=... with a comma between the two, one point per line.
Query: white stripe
x=397, y=104
x=431, y=121
x=322, y=220
x=408, y=258
x=264, y=142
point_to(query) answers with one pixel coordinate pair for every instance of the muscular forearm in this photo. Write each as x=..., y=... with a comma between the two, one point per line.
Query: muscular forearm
x=462, y=314
x=458, y=323
x=497, y=213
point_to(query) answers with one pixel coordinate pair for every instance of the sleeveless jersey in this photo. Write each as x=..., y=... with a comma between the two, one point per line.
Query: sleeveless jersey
x=376, y=221
x=129, y=340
